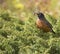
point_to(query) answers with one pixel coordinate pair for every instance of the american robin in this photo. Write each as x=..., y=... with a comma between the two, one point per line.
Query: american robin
x=43, y=24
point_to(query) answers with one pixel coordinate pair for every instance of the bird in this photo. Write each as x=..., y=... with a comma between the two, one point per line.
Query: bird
x=43, y=23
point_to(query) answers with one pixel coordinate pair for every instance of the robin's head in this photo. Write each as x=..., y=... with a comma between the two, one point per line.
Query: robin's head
x=40, y=15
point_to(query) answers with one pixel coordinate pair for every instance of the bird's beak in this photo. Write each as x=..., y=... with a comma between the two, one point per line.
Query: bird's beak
x=35, y=13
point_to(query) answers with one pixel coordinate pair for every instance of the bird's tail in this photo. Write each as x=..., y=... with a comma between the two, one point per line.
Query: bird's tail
x=53, y=31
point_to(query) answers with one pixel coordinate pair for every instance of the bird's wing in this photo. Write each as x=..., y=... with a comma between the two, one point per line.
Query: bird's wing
x=47, y=23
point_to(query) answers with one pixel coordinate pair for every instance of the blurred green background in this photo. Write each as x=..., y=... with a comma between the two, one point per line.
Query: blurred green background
x=18, y=32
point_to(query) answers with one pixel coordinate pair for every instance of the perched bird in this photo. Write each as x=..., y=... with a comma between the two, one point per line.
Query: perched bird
x=43, y=24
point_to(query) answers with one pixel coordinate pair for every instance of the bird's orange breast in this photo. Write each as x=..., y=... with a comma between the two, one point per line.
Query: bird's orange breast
x=42, y=25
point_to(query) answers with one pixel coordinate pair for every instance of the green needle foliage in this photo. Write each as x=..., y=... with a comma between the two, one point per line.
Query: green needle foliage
x=23, y=37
